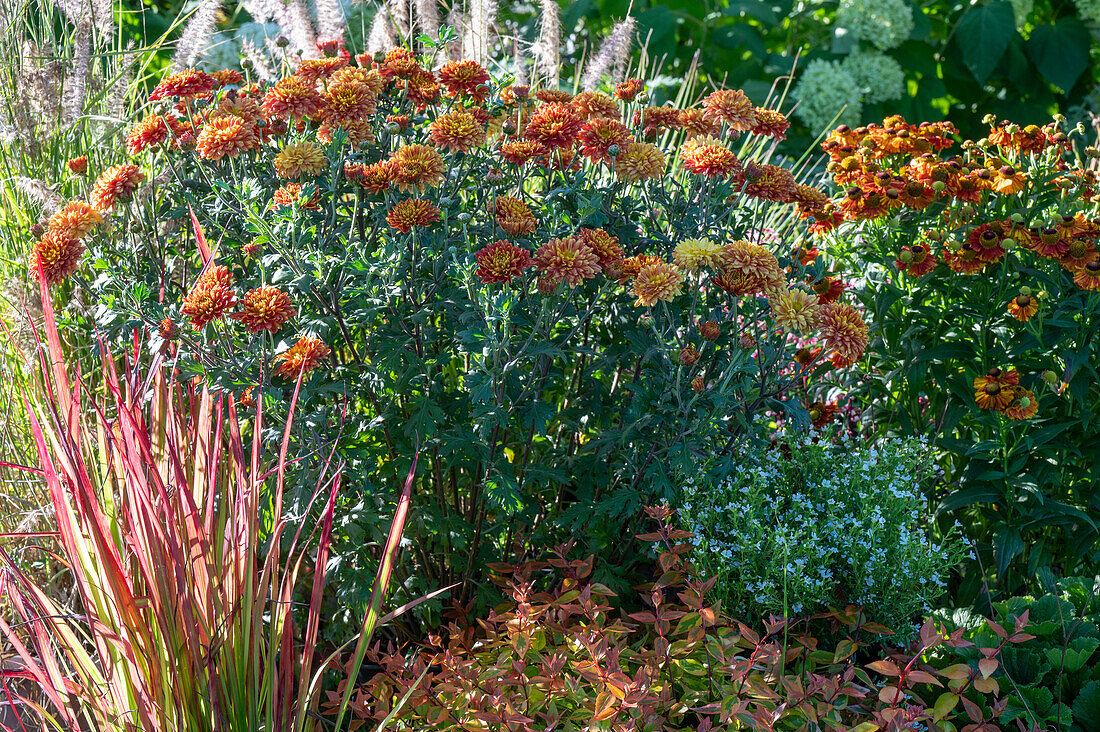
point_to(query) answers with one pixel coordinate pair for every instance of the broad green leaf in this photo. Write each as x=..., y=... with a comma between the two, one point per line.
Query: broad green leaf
x=1060, y=51
x=983, y=34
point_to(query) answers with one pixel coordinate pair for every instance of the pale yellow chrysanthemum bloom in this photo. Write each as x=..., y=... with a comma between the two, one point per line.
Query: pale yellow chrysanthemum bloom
x=300, y=158
x=691, y=254
x=795, y=311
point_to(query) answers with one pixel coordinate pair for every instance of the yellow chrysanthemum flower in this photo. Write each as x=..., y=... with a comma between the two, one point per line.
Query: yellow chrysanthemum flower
x=300, y=158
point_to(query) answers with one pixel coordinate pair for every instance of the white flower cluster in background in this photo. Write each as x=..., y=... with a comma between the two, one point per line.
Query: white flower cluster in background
x=884, y=23
x=825, y=90
x=1089, y=10
x=879, y=77
x=807, y=524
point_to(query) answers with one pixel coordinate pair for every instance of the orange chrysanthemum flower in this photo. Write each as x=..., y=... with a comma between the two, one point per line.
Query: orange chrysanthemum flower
x=756, y=264
x=554, y=125
x=771, y=123
x=513, y=216
x=606, y=247
x=347, y=103
x=294, y=194
x=1088, y=277
x=843, y=330
x=292, y=98
x=75, y=220
x=240, y=106
x=639, y=161
x=465, y=79
x=593, y=105
x=567, y=260
x=312, y=70
x=167, y=329
x=522, y=152
x=626, y=90
x=400, y=63
x=457, y=131
x=553, y=96
x=373, y=178
x=153, y=130
x=225, y=77
x=210, y=298
x=265, y=308
x=416, y=168
x=79, y=165
x=657, y=280
x=501, y=261
x=708, y=156
x=1023, y=404
x=697, y=124
x=300, y=158
x=1022, y=307
x=731, y=107
x=227, y=137
x=598, y=135
x=301, y=358
x=186, y=84
x=412, y=212
x=796, y=311
x=117, y=183
x=771, y=183
x=56, y=257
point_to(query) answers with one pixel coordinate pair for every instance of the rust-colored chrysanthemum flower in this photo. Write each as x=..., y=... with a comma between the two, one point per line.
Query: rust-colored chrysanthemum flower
x=639, y=161
x=422, y=90
x=842, y=330
x=75, y=220
x=347, y=104
x=655, y=281
x=465, y=79
x=304, y=356
x=796, y=311
x=553, y=96
x=1023, y=404
x=688, y=355
x=400, y=63
x=300, y=158
x=1023, y=306
x=501, y=261
x=771, y=123
x=313, y=70
x=227, y=137
x=522, y=152
x=757, y=264
x=554, y=125
x=153, y=130
x=691, y=254
x=598, y=135
x=226, y=77
x=592, y=105
x=292, y=98
x=210, y=298
x=457, y=131
x=251, y=249
x=412, y=212
x=731, y=107
x=771, y=183
x=567, y=260
x=56, y=257
x=709, y=330
x=1088, y=277
x=167, y=329
x=626, y=90
x=416, y=168
x=629, y=267
x=117, y=183
x=265, y=308
x=708, y=156
x=294, y=194
x=78, y=165
x=185, y=84
x=696, y=123
x=513, y=216
x=240, y=106
x=373, y=178
x=606, y=247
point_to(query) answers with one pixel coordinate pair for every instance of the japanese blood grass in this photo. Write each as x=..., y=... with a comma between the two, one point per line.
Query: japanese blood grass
x=185, y=621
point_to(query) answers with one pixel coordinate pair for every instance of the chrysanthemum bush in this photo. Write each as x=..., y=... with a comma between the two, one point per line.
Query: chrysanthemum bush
x=983, y=272
x=811, y=524
x=564, y=298
x=562, y=655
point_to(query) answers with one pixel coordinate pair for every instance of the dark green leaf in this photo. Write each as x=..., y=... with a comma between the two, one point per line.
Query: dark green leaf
x=1060, y=51
x=983, y=34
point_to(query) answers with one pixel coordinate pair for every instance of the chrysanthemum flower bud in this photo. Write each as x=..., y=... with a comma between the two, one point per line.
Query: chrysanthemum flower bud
x=709, y=330
x=246, y=63
x=646, y=321
x=642, y=98
x=508, y=128
x=1025, y=290
x=465, y=217
x=392, y=127
x=37, y=230
x=698, y=384
x=1012, y=129
x=613, y=151
x=939, y=186
x=379, y=56
x=282, y=42
x=984, y=142
x=746, y=341
x=1008, y=243
x=1050, y=377
x=752, y=171
x=495, y=175
x=446, y=202
x=688, y=355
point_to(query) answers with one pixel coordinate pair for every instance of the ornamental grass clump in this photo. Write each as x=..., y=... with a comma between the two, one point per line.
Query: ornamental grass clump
x=511, y=275
x=807, y=525
x=982, y=262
